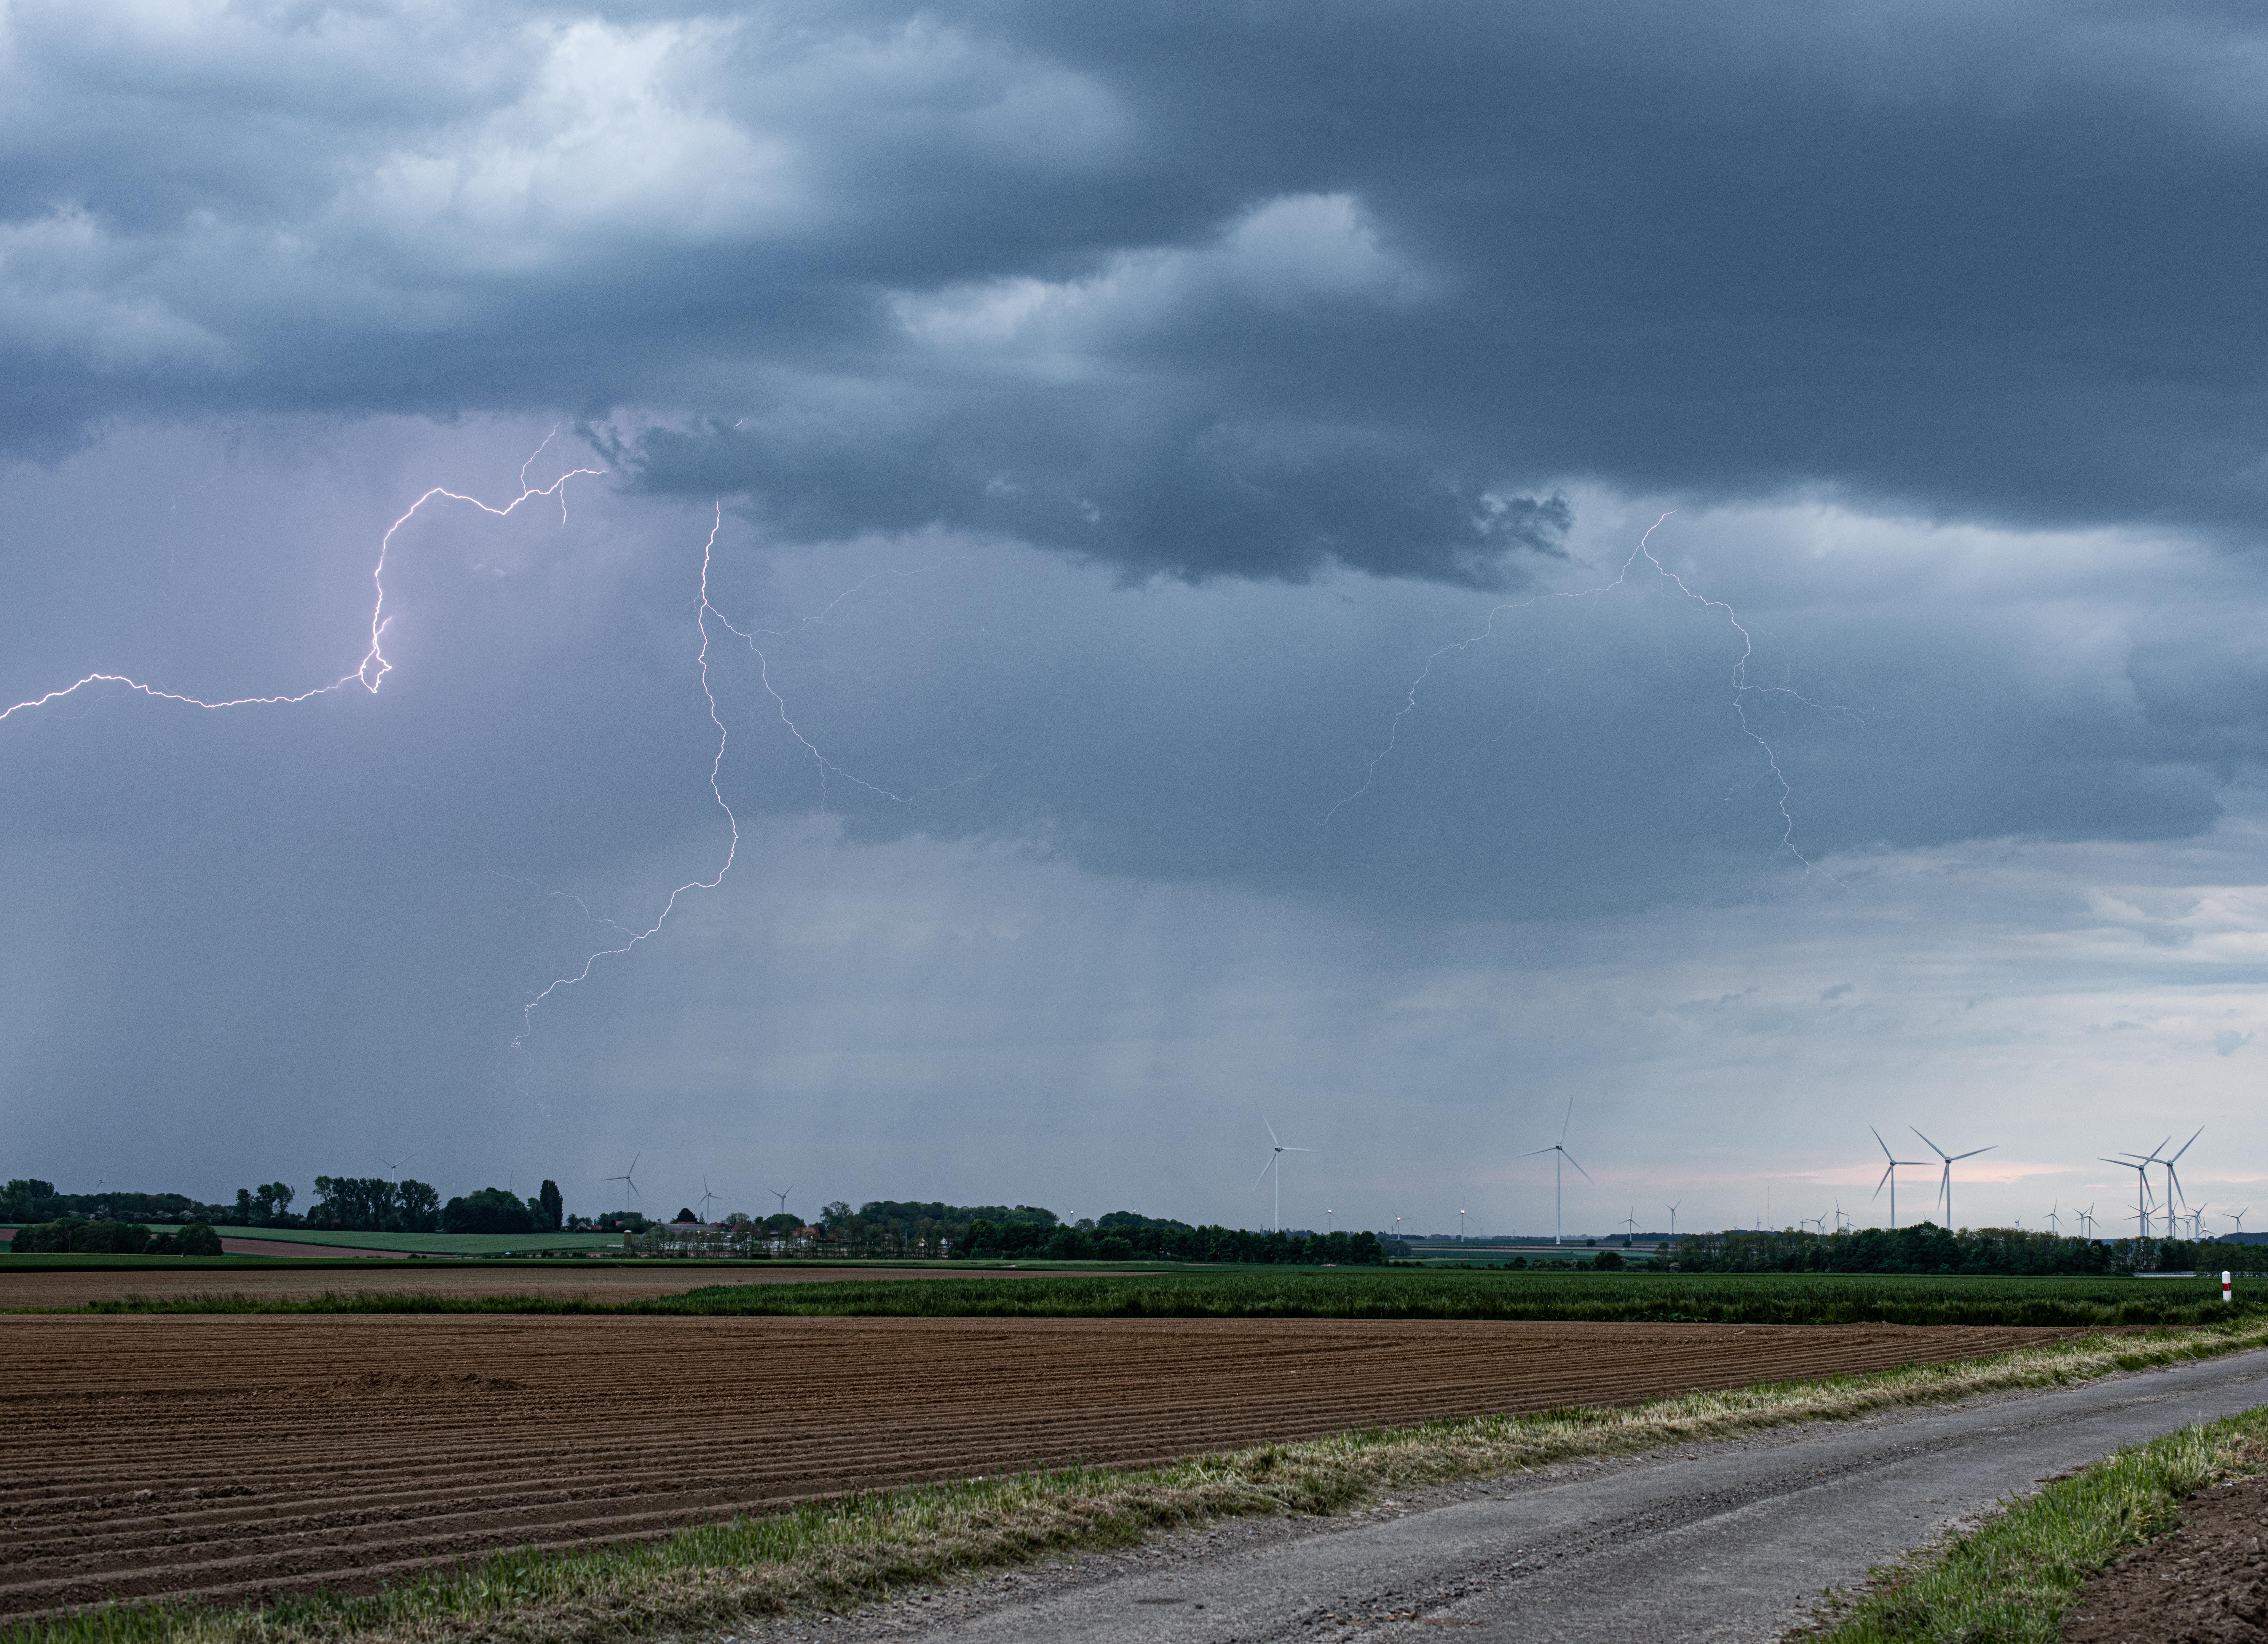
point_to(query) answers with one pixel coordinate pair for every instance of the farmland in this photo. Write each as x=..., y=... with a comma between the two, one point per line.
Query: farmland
x=2096, y=1301
x=76, y=1281
x=232, y=1457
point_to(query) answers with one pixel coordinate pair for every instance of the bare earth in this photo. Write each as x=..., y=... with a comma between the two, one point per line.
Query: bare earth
x=237, y=1456
x=66, y=1289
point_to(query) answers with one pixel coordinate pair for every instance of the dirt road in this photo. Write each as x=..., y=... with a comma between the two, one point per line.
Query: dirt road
x=1729, y=1543
x=231, y=1457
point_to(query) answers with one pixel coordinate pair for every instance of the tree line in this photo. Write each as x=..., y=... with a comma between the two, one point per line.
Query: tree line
x=343, y=1204
x=1926, y=1248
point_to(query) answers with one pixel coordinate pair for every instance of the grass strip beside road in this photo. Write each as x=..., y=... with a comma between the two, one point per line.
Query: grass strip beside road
x=2012, y=1580
x=838, y=1555
x=2083, y=1303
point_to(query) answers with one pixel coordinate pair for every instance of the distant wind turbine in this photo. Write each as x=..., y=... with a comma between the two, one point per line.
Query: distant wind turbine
x=393, y=1165
x=2086, y=1220
x=2174, y=1194
x=706, y=1198
x=1630, y=1227
x=1890, y=1175
x=1945, y=1184
x=2054, y=1225
x=628, y=1176
x=1672, y=1209
x=1559, y=1152
x=1275, y=1163
x=2141, y=1166
x=2238, y=1217
x=781, y=1193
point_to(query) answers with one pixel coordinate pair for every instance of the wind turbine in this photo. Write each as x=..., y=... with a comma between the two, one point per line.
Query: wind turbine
x=1672, y=1209
x=2238, y=1216
x=1559, y=1152
x=2197, y=1221
x=781, y=1193
x=1945, y=1184
x=704, y=1201
x=1275, y=1163
x=393, y=1165
x=2174, y=1194
x=2054, y=1225
x=628, y=1176
x=1890, y=1175
x=1630, y=1227
x=2140, y=1167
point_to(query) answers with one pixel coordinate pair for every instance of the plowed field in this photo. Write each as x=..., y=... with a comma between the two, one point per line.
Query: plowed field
x=627, y=1282
x=235, y=1457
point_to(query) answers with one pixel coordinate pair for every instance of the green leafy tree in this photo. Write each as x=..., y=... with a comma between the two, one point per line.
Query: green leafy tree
x=550, y=1207
x=491, y=1210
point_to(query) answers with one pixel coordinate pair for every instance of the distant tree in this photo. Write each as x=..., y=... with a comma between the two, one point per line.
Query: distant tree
x=835, y=1215
x=685, y=1214
x=550, y=1207
x=198, y=1239
x=1606, y=1260
x=416, y=1208
x=76, y=1236
x=491, y=1210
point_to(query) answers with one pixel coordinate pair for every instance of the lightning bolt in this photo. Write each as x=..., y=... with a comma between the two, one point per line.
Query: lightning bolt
x=370, y=671
x=703, y=612
x=1742, y=688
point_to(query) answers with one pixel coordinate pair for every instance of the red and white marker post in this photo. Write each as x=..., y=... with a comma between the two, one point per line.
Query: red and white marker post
x=2227, y=1290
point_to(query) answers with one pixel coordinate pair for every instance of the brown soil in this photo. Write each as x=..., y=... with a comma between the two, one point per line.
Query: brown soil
x=626, y=1282
x=239, y=1456
x=2207, y=1583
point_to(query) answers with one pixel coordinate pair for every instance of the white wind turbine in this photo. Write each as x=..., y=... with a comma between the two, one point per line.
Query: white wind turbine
x=628, y=1176
x=1672, y=1209
x=1559, y=1152
x=705, y=1200
x=1945, y=1184
x=2238, y=1217
x=1890, y=1175
x=781, y=1193
x=1275, y=1163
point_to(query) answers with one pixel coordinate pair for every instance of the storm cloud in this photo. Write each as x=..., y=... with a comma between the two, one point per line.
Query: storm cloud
x=1176, y=623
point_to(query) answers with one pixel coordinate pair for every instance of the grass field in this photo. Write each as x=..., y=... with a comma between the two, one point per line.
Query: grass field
x=1397, y=1294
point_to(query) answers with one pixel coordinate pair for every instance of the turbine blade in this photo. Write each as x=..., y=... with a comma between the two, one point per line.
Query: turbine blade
x=1886, y=1176
x=1586, y=1175
x=1570, y=1120
x=1262, y=1176
x=1933, y=1147
x=1532, y=1152
x=2187, y=1144
x=1973, y=1152
x=1880, y=1143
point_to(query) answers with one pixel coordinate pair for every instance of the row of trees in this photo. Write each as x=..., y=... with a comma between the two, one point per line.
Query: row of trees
x=343, y=1204
x=1926, y=1248
x=1130, y=1238
x=78, y=1236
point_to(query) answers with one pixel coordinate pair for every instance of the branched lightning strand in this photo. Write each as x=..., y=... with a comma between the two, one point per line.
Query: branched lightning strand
x=370, y=673
x=1743, y=690
x=701, y=615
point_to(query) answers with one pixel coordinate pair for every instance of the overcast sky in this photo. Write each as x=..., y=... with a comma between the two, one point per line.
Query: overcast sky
x=1183, y=643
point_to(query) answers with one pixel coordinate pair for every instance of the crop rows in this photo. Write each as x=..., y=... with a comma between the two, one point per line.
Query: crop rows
x=238, y=1458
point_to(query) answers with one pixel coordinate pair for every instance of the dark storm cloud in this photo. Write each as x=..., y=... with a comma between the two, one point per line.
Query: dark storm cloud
x=1241, y=290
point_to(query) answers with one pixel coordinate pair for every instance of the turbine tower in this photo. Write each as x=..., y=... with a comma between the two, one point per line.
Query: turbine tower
x=1559, y=1152
x=1945, y=1184
x=1672, y=1209
x=1275, y=1163
x=1890, y=1175
x=2141, y=1166
x=629, y=1176
x=2174, y=1194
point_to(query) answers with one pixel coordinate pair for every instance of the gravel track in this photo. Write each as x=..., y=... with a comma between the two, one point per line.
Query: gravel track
x=235, y=1457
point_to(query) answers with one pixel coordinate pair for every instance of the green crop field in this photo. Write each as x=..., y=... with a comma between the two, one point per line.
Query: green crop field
x=423, y=1243
x=1398, y=1294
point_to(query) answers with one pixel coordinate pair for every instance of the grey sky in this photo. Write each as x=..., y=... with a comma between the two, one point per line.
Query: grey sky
x=1112, y=414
